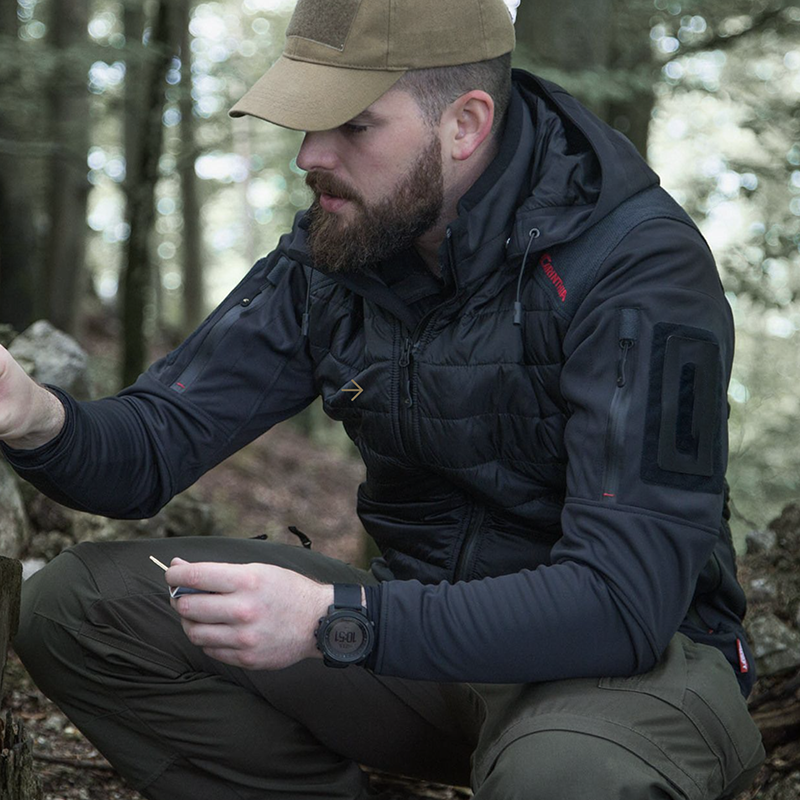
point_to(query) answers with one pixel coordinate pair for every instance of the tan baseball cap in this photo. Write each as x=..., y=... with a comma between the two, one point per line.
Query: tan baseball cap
x=342, y=55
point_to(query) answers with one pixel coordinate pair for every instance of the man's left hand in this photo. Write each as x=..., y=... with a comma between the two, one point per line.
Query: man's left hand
x=261, y=617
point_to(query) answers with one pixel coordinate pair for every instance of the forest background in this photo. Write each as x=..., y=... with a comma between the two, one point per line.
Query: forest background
x=129, y=198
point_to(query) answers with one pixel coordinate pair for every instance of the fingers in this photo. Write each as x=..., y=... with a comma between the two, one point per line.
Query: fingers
x=215, y=609
x=217, y=636
x=208, y=576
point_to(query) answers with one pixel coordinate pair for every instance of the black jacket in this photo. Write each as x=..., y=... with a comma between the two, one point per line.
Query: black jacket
x=547, y=496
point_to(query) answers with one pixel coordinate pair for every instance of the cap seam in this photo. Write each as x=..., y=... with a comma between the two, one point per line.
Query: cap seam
x=483, y=33
x=339, y=65
x=389, y=32
x=323, y=44
x=352, y=25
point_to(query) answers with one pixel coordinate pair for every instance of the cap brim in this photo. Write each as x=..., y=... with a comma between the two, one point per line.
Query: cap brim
x=313, y=97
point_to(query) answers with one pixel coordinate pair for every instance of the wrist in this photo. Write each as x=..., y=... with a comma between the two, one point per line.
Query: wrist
x=44, y=423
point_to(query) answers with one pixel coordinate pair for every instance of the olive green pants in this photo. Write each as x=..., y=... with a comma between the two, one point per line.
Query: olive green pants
x=99, y=637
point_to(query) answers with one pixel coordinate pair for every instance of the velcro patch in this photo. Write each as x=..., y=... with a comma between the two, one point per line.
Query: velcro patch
x=323, y=21
x=683, y=445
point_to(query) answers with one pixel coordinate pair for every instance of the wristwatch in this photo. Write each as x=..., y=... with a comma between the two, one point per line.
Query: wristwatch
x=345, y=636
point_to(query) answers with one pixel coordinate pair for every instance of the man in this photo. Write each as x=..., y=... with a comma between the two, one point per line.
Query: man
x=543, y=346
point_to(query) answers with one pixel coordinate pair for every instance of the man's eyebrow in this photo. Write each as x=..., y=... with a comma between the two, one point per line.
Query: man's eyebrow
x=365, y=116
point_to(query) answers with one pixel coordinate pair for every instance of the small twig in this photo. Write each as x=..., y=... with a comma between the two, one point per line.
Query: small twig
x=73, y=762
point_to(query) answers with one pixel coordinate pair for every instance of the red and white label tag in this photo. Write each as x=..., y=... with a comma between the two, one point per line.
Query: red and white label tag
x=743, y=665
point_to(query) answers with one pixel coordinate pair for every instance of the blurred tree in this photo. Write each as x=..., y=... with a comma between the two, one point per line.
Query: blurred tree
x=68, y=103
x=570, y=38
x=162, y=46
x=603, y=52
x=193, y=294
x=599, y=51
x=133, y=22
x=754, y=45
x=17, y=236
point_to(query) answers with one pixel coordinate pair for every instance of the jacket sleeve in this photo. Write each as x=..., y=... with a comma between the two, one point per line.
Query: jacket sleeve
x=243, y=370
x=646, y=366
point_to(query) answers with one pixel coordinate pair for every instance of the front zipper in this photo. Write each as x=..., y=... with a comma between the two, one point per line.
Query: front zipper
x=410, y=347
x=464, y=564
x=206, y=350
x=628, y=336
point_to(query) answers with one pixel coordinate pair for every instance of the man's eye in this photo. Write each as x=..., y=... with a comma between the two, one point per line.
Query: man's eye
x=349, y=127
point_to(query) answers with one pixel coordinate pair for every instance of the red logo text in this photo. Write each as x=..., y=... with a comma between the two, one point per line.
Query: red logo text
x=546, y=263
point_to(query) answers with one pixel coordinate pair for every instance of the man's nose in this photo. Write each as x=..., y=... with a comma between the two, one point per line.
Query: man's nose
x=317, y=151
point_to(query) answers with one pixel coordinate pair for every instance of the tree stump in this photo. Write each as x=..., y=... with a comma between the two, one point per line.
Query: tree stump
x=17, y=779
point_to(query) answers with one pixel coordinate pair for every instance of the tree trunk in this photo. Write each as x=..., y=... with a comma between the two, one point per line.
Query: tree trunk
x=601, y=51
x=136, y=282
x=10, y=583
x=17, y=236
x=193, y=294
x=69, y=188
x=570, y=37
x=17, y=779
x=633, y=56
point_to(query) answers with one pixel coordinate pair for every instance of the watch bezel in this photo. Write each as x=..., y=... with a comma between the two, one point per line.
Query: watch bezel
x=330, y=654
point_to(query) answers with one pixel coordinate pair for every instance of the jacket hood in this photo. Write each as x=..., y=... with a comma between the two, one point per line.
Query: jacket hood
x=560, y=170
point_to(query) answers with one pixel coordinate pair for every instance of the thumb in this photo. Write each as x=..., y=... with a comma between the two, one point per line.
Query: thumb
x=176, y=561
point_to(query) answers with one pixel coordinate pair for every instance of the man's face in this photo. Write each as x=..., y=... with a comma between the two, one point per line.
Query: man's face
x=377, y=182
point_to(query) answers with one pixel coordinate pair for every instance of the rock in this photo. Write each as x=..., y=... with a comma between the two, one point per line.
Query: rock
x=787, y=788
x=760, y=541
x=46, y=514
x=7, y=334
x=14, y=527
x=49, y=544
x=762, y=590
x=775, y=645
x=54, y=723
x=787, y=528
x=30, y=566
x=50, y=356
x=185, y=515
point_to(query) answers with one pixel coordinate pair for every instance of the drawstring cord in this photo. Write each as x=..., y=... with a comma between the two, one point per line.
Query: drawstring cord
x=304, y=331
x=534, y=234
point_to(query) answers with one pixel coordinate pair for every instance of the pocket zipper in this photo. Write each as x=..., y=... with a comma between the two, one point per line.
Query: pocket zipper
x=203, y=355
x=627, y=338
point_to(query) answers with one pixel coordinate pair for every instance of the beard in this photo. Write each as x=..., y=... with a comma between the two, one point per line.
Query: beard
x=379, y=231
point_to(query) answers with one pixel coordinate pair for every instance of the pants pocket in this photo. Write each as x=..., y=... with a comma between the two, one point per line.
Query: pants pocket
x=666, y=681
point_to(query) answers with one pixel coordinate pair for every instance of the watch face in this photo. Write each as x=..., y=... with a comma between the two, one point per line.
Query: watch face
x=347, y=639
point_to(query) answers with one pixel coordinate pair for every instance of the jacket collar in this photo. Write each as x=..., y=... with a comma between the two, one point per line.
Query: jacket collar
x=558, y=171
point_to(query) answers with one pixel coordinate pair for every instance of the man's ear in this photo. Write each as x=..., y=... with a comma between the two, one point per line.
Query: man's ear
x=468, y=123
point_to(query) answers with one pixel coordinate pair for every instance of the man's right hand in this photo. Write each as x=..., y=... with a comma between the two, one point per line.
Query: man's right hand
x=30, y=416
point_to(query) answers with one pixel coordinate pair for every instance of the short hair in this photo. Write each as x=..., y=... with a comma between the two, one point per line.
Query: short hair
x=436, y=87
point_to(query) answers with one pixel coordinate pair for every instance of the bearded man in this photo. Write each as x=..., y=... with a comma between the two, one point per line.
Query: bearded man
x=544, y=347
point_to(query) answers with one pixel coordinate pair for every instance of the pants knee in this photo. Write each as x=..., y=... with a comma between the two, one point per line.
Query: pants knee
x=564, y=765
x=51, y=605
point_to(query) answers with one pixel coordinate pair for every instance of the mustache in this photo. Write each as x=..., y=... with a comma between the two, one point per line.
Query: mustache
x=325, y=183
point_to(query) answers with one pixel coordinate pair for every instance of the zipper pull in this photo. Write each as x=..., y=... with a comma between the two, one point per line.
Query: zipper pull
x=405, y=355
x=625, y=345
x=628, y=335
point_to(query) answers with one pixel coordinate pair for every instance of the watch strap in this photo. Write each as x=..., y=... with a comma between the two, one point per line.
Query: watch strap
x=347, y=595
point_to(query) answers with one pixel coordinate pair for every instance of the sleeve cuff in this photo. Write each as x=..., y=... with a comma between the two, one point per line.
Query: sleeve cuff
x=39, y=457
x=373, y=596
